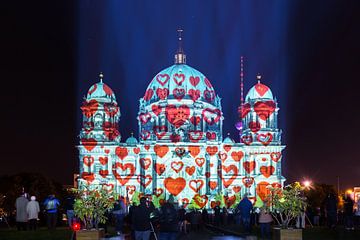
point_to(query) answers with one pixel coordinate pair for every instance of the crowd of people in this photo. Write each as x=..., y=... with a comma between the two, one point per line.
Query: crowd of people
x=169, y=220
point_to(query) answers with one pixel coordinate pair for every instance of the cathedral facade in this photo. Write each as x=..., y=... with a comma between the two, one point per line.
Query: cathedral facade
x=181, y=150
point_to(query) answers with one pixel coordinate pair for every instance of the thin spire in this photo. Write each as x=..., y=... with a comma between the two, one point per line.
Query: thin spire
x=241, y=80
x=101, y=76
x=180, y=57
x=258, y=77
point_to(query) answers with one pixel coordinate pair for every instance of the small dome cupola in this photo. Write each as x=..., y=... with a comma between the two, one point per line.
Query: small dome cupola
x=259, y=91
x=101, y=92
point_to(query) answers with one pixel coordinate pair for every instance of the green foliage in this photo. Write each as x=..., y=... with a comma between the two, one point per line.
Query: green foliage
x=287, y=203
x=91, y=206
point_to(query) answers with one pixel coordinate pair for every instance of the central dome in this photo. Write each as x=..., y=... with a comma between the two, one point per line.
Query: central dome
x=179, y=82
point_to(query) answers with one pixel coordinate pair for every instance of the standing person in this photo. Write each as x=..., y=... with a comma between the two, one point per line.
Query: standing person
x=245, y=207
x=331, y=210
x=182, y=219
x=357, y=213
x=51, y=206
x=168, y=222
x=265, y=220
x=141, y=220
x=205, y=216
x=21, y=214
x=33, y=210
x=217, y=216
x=119, y=214
x=69, y=208
x=224, y=216
x=348, y=213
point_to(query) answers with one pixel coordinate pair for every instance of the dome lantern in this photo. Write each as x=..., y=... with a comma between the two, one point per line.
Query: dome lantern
x=180, y=56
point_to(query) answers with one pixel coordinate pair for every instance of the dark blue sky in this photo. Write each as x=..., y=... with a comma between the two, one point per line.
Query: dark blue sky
x=307, y=51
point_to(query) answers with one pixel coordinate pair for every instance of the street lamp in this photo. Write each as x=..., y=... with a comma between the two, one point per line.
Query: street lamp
x=307, y=184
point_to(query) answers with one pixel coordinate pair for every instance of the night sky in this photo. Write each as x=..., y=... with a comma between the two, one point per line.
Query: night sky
x=308, y=53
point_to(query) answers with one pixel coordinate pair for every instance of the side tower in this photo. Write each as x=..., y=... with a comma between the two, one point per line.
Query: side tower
x=262, y=139
x=99, y=134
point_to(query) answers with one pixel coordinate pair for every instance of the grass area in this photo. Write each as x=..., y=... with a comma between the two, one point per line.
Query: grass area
x=42, y=233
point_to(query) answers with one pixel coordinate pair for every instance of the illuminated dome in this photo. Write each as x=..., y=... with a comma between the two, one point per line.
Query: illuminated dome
x=228, y=139
x=101, y=92
x=179, y=82
x=131, y=140
x=259, y=91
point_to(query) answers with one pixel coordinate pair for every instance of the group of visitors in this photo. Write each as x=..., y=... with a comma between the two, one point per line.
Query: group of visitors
x=27, y=212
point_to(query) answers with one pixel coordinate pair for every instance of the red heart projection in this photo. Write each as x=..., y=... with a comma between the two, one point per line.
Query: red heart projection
x=162, y=93
x=107, y=90
x=107, y=151
x=92, y=89
x=136, y=150
x=160, y=131
x=194, y=81
x=162, y=79
x=211, y=116
x=261, y=89
x=160, y=168
x=177, y=166
x=144, y=180
x=229, y=201
x=227, y=147
x=147, y=147
x=237, y=156
x=264, y=159
x=212, y=185
x=179, y=78
x=190, y=170
x=264, y=109
x=249, y=166
x=89, y=144
x=262, y=190
x=161, y=150
x=248, y=181
x=124, y=168
x=194, y=94
x=200, y=200
x=130, y=189
x=247, y=139
x=212, y=150
x=103, y=173
x=195, y=135
x=194, y=150
x=89, y=177
x=267, y=171
x=244, y=110
x=148, y=94
x=121, y=152
x=145, y=163
x=174, y=185
x=177, y=116
x=200, y=161
x=275, y=156
x=207, y=174
x=179, y=93
x=222, y=156
x=144, y=117
x=109, y=187
x=196, y=185
x=236, y=189
x=208, y=83
x=195, y=120
x=88, y=161
x=180, y=151
x=214, y=204
x=103, y=160
x=228, y=169
x=254, y=126
x=209, y=95
x=89, y=108
x=88, y=127
x=156, y=109
x=159, y=191
x=264, y=138
x=185, y=202
x=145, y=134
x=211, y=135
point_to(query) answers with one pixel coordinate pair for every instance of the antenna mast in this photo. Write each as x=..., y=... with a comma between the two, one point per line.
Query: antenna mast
x=241, y=81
